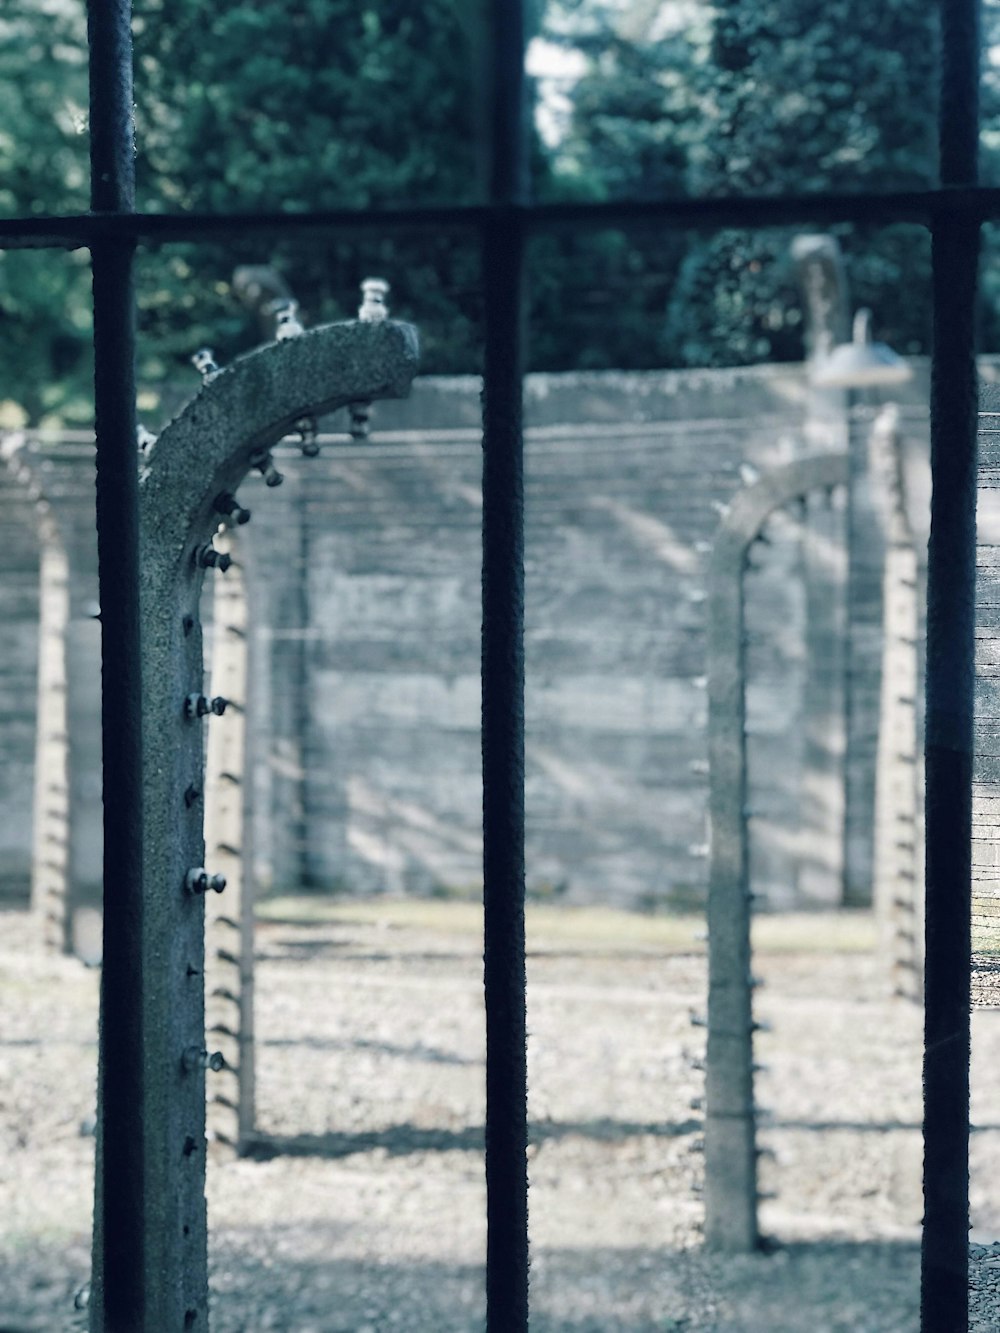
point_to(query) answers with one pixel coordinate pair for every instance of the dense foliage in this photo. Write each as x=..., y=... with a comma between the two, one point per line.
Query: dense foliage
x=300, y=104
x=809, y=95
x=44, y=297
x=308, y=104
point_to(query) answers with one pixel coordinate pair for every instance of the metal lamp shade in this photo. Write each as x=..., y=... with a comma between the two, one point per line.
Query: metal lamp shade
x=861, y=363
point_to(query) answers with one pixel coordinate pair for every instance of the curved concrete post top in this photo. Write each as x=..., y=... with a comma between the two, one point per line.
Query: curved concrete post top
x=730, y=1114
x=194, y=467
x=249, y=406
x=751, y=507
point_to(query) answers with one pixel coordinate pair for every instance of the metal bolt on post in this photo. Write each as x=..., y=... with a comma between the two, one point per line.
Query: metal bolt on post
x=204, y=362
x=306, y=429
x=144, y=439
x=226, y=503
x=287, y=321
x=200, y=705
x=373, y=306
x=360, y=420
x=263, y=463
x=198, y=880
x=209, y=558
x=372, y=310
x=195, y=1057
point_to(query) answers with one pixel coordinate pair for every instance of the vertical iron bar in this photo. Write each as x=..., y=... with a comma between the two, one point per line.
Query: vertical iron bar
x=503, y=787
x=950, y=697
x=119, y=1217
x=503, y=687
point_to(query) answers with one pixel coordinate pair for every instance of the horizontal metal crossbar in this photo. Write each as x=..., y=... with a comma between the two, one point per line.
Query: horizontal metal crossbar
x=924, y=207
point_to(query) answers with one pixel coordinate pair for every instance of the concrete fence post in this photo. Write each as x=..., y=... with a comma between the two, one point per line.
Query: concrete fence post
x=730, y=1110
x=187, y=490
x=898, y=852
x=50, y=836
x=51, y=831
x=822, y=281
x=229, y=972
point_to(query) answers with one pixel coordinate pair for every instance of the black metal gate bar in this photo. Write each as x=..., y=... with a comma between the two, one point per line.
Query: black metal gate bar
x=111, y=231
x=503, y=688
x=503, y=787
x=119, y=1267
x=950, y=697
x=692, y=213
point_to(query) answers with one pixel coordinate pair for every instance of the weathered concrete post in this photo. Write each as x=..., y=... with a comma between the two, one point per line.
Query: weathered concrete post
x=859, y=365
x=986, y=770
x=823, y=284
x=865, y=573
x=187, y=490
x=229, y=972
x=730, y=1112
x=50, y=803
x=51, y=832
x=898, y=859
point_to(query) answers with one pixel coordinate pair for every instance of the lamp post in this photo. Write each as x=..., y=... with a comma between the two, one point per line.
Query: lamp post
x=861, y=363
x=857, y=366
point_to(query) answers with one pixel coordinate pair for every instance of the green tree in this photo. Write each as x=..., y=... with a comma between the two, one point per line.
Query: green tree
x=304, y=105
x=801, y=96
x=44, y=308
x=629, y=137
x=256, y=108
x=323, y=103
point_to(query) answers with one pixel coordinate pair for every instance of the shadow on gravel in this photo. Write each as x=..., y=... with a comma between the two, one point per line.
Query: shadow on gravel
x=262, y=1280
x=346, y=950
x=418, y=1051
x=827, y=1286
x=867, y=1126
x=398, y=1140
x=822, y=1288
x=38, y=1287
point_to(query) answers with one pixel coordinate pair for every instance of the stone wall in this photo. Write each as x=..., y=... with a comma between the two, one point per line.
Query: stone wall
x=364, y=591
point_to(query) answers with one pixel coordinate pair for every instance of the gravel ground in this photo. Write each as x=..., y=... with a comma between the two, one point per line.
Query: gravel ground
x=364, y=1208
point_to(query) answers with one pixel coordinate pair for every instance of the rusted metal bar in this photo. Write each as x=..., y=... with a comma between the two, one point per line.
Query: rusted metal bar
x=119, y=1297
x=503, y=687
x=950, y=696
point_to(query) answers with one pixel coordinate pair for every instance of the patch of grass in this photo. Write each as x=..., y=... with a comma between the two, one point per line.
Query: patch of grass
x=986, y=941
x=846, y=931
x=551, y=926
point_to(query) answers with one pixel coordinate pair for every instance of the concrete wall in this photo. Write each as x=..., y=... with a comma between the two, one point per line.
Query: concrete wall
x=364, y=575
x=377, y=649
